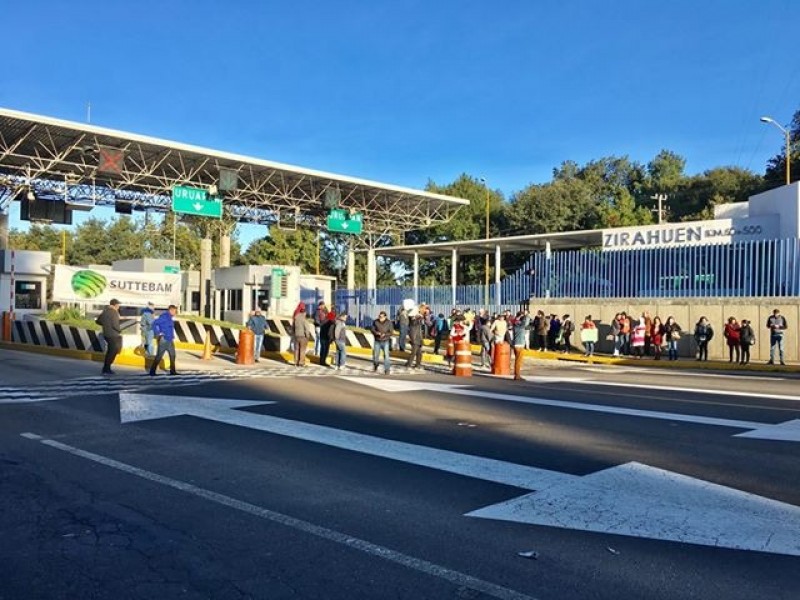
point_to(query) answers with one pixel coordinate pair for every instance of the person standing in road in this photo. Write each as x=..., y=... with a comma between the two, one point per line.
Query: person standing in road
x=382, y=332
x=340, y=337
x=440, y=328
x=146, y=325
x=257, y=323
x=327, y=336
x=519, y=333
x=415, y=326
x=164, y=329
x=732, y=333
x=485, y=340
x=320, y=316
x=402, y=328
x=747, y=338
x=777, y=326
x=703, y=333
x=301, y=333
x=112, y=333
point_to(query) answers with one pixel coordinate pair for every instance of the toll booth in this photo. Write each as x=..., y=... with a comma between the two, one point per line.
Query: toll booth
x=24, y=281
x=275, y=289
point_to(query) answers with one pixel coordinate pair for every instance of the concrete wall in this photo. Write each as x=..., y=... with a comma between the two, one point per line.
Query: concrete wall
x=687, y=311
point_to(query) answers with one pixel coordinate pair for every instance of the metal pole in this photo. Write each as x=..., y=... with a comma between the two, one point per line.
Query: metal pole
x=174, y=233
x=318, y=236
x=486, y=265
x=788, y=158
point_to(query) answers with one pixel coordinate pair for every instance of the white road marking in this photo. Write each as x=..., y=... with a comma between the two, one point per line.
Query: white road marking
x=659, y=387
x=631, y=499
x=641, y=501
x=417, y=564
x=785, y=431
x=140, y=407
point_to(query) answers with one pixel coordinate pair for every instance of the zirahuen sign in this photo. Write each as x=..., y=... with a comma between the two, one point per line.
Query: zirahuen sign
x=693, y=233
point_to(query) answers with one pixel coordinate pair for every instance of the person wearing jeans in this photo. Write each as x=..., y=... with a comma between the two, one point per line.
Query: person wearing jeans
x=672, y=333
x=382, y=330
x=777, y=326
x=164, y=328
x=257, y=323
x=703, y=333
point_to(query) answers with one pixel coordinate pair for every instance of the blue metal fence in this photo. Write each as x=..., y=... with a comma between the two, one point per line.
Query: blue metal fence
x=742, y=269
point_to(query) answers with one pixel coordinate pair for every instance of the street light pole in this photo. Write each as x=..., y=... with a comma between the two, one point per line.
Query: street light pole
x=787, y=137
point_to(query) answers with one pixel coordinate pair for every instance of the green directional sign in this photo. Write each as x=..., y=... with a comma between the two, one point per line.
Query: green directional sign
x=174, y=270
x=340, y=221
x=195, y=201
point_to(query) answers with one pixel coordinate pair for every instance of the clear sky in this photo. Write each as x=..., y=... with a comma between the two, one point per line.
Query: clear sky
x=403, y=91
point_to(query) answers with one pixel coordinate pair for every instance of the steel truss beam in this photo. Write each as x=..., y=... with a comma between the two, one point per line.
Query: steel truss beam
x=60, y=161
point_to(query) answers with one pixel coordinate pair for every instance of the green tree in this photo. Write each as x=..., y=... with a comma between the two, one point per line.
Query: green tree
x=622, y=211
x=282, y=247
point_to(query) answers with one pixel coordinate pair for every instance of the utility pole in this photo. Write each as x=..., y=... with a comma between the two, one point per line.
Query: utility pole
x=661, y=199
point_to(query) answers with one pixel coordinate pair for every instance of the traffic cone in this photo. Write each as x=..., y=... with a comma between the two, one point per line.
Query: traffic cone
x=207, y=347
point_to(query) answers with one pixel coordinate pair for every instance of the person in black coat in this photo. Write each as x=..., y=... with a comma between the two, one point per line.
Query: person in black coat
x=415, y=333
x=747, y=338
x=703, y=334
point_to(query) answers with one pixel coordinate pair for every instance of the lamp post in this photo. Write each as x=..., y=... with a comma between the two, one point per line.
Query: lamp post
x=486, y=265
x=785, y=133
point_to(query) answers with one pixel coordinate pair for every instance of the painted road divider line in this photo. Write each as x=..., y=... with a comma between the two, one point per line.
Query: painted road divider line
x=425, y=567
x=788, y=431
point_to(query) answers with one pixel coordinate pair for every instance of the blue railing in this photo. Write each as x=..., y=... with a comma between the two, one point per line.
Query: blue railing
x=743, y=269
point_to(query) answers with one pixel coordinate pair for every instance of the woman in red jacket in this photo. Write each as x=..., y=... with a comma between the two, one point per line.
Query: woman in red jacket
x=732, y=335
x=657, y=336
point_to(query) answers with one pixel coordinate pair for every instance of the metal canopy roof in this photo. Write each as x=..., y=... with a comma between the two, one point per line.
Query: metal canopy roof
x=59, y=160
x=520, y=243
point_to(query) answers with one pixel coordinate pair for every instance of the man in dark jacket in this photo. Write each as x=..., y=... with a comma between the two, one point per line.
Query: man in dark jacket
x=112, y=333
x=382, y=330
x=415, y=325
x=164, y=329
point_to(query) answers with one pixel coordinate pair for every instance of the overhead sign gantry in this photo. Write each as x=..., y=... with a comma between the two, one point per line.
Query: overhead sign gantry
x=85, y=166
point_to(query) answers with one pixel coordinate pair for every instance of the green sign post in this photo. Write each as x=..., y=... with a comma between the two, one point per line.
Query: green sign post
x=195, y=201
x=278, y=284
x=339, y=221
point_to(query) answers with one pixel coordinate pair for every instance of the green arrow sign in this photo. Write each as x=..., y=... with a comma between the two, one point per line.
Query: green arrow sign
x=195, y=201
x=339, y=221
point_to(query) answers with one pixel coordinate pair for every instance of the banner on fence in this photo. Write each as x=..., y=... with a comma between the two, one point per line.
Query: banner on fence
x=131, y=288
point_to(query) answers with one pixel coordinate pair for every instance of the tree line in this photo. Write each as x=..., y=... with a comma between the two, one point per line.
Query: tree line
x=611, y=191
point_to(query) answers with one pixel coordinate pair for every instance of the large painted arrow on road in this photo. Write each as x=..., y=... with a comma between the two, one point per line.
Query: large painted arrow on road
x=630, y=499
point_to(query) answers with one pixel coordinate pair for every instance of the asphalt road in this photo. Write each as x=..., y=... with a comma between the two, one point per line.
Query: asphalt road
x=273, y=501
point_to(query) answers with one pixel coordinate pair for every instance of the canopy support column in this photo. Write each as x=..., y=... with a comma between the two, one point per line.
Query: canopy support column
x=416, y=277
x=205, y=277
x=548, y=254
x=498, y=299
x=351, y=269
x=454, y=275
x=372, y=273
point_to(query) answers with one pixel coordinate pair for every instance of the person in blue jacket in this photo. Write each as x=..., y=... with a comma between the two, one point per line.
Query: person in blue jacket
x=164, y=330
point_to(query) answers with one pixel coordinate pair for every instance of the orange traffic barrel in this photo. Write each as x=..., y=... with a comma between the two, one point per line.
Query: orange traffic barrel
x=244, y=351
x=451, y=349
x=501, y=359
x=463, y=364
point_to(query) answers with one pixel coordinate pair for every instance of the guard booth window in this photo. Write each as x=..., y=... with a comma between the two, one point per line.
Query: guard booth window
x=235, y=300
x=28, y=295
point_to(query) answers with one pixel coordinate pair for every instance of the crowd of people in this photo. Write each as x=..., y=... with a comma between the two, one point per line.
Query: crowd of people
x=637, y=336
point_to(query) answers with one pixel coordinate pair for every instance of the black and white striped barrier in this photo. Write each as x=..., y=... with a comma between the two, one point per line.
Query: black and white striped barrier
x=56, y=335
x=226, y=338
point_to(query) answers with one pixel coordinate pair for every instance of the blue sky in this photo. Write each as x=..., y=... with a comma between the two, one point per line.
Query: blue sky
x=406, y=91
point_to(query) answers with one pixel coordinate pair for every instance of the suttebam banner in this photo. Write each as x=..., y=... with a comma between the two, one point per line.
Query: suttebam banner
x=131, y=288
